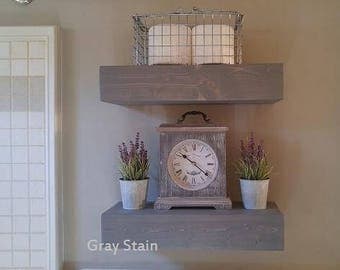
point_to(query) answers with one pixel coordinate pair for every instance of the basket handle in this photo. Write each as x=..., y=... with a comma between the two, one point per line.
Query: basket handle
x=204, y=116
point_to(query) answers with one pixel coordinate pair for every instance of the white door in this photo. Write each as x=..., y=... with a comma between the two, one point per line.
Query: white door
x=29, y=128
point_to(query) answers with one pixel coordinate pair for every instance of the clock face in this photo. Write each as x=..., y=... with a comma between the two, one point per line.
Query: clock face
x=192, y=164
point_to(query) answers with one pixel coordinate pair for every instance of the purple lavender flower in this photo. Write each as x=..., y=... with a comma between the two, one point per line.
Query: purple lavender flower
x=137, y=140
x=253, y=163
x=251, y=152
x=134, y=160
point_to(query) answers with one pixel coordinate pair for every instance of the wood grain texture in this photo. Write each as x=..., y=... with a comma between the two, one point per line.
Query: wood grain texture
x=236, y=229
x=201, y=84
x=166, y=203
x=185, y=128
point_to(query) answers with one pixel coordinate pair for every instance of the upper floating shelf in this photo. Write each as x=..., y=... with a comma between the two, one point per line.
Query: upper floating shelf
x=201, y=84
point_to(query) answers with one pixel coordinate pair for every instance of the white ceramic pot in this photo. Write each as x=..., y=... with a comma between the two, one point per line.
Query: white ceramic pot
x=133, y=193
x=254, y=193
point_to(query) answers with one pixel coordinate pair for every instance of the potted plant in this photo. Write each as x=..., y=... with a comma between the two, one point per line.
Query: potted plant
x=134, y=168
x=254, y=171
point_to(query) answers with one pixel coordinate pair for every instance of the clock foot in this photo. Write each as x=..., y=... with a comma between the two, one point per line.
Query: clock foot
x=166, y=203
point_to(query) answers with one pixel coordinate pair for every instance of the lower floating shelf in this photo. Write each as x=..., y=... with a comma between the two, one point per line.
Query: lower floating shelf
x=234, y=229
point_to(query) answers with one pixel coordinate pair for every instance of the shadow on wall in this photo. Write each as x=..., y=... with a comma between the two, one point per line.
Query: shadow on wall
x=70, y=106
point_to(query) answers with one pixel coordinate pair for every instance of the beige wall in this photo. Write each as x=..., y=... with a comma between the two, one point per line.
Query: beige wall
x=301, y=132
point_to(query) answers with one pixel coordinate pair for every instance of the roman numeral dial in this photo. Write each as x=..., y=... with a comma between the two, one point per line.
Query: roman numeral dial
x=192, y=164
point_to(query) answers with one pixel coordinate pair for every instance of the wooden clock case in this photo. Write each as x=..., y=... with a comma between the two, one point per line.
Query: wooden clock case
x=214, y=195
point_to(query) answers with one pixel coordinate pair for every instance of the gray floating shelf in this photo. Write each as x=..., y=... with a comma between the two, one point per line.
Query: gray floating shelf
x=234, y=229
x=201, y=84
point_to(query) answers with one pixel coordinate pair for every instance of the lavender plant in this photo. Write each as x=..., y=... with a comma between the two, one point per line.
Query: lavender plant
x=253, y=164
x=134, y=162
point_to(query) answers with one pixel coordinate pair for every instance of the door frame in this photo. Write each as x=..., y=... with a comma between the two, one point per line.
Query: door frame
x=54, y=184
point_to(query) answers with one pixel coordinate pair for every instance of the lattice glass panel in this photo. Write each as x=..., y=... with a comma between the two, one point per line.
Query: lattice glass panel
x=23, y=164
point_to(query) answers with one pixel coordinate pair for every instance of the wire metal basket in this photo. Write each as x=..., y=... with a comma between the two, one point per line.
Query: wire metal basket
x=188, y=37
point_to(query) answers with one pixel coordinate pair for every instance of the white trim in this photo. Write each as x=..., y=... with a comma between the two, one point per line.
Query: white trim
x=53, y=133
x=22, y=31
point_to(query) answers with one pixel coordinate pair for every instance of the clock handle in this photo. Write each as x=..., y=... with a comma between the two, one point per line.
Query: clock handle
x=204, y=116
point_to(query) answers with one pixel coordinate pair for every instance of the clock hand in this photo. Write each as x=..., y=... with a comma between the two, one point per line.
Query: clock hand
x=205, y=173
x=194, y=163
x=179, y=154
